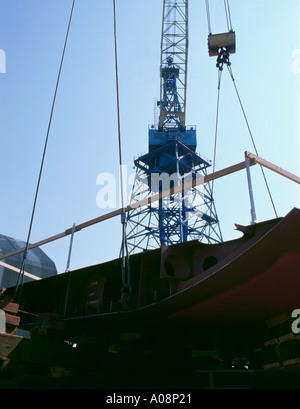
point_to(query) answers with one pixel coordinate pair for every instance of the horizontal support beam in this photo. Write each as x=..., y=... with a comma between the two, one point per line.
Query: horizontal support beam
x=272, y=167
x=17, y=270
x=181, y=188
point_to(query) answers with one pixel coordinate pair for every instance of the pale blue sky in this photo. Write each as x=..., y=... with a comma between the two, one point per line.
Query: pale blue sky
x=83, y=137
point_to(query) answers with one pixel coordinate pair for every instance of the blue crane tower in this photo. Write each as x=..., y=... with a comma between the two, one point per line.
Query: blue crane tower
x=172, y=158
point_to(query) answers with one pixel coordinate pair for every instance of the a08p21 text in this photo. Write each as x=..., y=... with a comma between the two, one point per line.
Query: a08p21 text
x=155, y=398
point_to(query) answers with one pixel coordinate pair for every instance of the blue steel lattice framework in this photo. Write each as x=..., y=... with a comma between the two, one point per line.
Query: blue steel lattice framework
x=172, y=158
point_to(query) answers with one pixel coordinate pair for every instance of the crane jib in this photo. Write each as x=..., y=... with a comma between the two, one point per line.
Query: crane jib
x=174, y=48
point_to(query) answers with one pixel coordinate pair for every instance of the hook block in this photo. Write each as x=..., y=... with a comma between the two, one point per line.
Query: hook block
x=217, y=41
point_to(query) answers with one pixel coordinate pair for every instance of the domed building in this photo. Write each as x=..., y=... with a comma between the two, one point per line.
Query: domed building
x=38, y=264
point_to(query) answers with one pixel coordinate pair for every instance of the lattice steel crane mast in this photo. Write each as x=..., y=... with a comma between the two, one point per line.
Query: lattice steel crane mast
x=172, y=158
x=174, y=53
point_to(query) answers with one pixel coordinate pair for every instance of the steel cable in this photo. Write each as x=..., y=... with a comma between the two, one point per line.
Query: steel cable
x=126, y=282
x=228, y=16
x=216, y=132
x=208, y=16
x=251, y=136
x=22, y=269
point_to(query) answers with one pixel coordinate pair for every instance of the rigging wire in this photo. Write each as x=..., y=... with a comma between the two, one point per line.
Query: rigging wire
x=126, y=283
x=208, y=17
x=118, y=105
x=223, y=58
x=216, y=133
x=227, y=13
x=22, y=269
x=217, y=116
x=228, y=16
x=251, y=136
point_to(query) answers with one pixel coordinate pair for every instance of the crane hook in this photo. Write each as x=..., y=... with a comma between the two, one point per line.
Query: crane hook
x=223, y=58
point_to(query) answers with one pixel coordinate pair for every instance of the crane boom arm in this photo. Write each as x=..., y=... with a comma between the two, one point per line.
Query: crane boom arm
x=173, y=68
